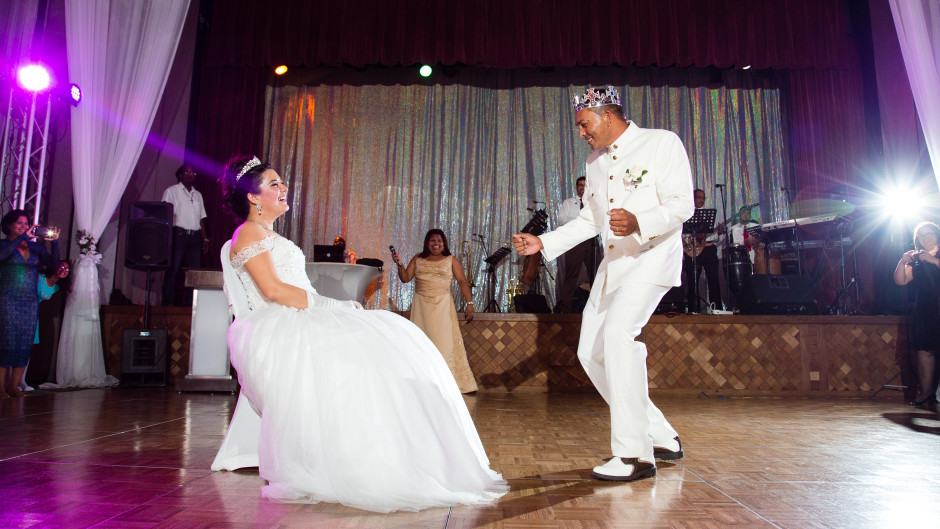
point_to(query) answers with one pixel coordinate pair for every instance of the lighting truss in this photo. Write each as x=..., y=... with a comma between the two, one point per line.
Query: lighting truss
x=25, y=142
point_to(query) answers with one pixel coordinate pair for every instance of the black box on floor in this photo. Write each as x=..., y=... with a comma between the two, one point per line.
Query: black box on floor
x=778, y=294
x=673, y=301
x=531, y=303
x=143, y=357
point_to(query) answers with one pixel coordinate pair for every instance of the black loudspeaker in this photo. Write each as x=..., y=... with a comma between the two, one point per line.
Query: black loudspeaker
x=531, y=303
x=149, y=236
x=143, y=357
x=673, y=301
x=783, y=294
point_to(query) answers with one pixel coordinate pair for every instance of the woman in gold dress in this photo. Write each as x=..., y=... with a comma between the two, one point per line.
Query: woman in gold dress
x=432, y=308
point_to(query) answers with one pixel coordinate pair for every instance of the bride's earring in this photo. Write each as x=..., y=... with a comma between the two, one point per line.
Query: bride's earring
x=258, y=206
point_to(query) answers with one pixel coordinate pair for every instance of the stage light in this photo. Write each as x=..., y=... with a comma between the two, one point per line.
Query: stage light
x=425, y=71
x=33, y=77
x=902, y=203
x=281, y=70
x=75, y=93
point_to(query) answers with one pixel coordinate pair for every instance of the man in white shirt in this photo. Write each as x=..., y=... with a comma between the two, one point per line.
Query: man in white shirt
x=189, y=232
x=638, y=194
x=739, y=235
x=581, y=256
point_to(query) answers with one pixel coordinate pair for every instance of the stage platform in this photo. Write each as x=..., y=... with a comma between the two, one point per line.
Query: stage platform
x=730, y=355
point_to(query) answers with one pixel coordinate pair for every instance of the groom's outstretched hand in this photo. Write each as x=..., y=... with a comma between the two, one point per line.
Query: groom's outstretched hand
x=526, y=243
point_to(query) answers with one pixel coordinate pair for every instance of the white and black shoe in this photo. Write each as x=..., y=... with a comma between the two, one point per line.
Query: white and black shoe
x=624, y=469
x=672, y=450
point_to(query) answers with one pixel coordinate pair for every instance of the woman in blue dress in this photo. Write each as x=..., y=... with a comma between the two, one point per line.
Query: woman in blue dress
x=20, y=259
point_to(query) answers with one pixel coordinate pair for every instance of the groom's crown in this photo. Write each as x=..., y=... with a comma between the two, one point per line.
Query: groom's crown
x=597, y=97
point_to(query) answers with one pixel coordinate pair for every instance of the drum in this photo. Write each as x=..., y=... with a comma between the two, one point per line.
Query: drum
x=738, y=266
x=737, y=254
x=760, y=262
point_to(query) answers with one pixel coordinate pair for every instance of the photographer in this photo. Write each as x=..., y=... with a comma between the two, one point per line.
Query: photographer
x=921, y=267
x=20, y=259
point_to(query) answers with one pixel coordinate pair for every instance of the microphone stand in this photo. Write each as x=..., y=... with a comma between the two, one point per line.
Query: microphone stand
x=726, y=244
x=796, y=233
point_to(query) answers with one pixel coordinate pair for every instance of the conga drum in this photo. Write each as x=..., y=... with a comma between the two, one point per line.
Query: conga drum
x=760, y=262
x=738, y=264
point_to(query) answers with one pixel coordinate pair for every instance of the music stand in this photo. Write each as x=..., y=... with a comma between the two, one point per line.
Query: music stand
x=702, y=221
x=492, y=261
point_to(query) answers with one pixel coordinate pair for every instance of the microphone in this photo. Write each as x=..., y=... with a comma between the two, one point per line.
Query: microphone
x=477, y=235
x=537, y=202
x=719, y=185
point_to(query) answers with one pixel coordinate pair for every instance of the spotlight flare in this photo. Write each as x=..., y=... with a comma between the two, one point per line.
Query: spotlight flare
x=33, y=77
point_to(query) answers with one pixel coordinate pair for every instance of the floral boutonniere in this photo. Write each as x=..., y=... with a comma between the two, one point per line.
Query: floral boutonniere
x=634, y=176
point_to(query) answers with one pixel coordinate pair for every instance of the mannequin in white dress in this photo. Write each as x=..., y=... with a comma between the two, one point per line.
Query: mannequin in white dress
x=357, y=407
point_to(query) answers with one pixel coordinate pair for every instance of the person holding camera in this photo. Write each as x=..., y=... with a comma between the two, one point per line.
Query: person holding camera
x=20, y=260
x=921, y=267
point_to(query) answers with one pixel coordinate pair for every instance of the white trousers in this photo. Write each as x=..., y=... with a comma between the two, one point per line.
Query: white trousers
x=616, y=364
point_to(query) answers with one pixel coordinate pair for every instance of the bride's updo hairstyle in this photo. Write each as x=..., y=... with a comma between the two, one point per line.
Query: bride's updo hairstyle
x=237, y=183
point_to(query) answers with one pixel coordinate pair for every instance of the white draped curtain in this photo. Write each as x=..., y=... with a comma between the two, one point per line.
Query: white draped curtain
x=918, y=26
x=120, y=53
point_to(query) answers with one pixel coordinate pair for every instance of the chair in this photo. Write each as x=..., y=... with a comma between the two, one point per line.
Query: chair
x=240, y=447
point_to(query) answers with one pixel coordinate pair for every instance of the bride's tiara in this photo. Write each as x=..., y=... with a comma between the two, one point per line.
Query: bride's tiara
x=253, y=162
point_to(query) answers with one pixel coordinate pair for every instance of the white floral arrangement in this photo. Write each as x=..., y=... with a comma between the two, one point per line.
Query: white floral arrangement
x=87, y=245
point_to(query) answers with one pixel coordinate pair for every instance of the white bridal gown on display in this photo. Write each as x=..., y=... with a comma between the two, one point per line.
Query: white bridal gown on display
x=357, y=406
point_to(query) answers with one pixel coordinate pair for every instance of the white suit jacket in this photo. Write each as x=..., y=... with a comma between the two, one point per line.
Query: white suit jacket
x=661, y=201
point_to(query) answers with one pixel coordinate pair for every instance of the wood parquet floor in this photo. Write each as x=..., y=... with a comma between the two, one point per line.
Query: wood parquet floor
x=139, y=458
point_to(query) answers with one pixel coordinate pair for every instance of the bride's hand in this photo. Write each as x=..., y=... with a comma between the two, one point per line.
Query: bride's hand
x=355, y=304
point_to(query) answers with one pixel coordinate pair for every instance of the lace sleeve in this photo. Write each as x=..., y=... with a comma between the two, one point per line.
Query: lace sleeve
x=252, y=250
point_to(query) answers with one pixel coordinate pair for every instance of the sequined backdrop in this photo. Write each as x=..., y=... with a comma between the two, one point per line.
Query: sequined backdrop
x=380, y=164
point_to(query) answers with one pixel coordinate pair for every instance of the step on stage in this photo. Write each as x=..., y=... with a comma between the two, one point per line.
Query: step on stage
x=761, y=355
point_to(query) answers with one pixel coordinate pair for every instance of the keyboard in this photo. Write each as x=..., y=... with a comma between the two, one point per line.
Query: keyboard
x=805, y=221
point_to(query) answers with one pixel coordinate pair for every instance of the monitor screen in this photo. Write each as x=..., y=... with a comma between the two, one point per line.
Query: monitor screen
x=327, y=253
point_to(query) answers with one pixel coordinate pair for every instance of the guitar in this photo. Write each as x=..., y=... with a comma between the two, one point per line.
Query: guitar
x=700, y=244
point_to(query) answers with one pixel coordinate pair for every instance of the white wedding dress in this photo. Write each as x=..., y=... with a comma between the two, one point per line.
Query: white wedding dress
x=357, y=407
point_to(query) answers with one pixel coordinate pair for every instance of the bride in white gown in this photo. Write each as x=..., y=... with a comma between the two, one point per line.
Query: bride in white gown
x=357, y=407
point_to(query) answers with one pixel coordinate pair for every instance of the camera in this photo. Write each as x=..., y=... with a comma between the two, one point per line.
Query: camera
x=43, y=232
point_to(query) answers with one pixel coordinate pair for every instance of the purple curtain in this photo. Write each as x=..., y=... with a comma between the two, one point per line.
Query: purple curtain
x=522, y=33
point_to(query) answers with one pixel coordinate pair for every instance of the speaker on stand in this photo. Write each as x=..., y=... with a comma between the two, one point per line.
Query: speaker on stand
x=148, y=249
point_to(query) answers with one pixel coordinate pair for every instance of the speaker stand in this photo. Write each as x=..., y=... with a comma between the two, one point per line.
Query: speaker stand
x=147, y=299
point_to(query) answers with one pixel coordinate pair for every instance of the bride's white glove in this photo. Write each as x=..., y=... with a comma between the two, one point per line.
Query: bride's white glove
x=315, y=300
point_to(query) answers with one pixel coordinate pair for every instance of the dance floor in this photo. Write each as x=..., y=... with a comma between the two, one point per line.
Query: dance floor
x=139, y=458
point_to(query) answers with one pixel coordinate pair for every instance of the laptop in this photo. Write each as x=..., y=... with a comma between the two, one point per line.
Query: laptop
x=327, y=253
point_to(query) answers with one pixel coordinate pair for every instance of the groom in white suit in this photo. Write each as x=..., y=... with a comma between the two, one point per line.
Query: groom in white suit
x=639, y=192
